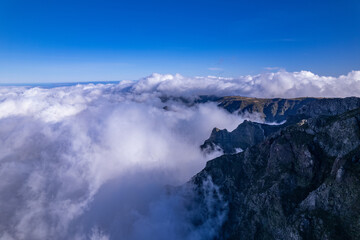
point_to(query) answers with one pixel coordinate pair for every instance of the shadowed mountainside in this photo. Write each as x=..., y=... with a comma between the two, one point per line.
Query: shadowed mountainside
x=302, y=182
x=290, y=110
x=279, y=109
x=245, y=135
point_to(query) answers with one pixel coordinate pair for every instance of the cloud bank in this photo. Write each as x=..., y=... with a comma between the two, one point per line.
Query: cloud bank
x=93, y=161
x=269, y=85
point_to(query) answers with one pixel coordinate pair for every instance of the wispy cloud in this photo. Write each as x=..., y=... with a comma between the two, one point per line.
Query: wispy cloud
x=272, y=68
x=273, y=40
x=286, y=40
x=215, y=69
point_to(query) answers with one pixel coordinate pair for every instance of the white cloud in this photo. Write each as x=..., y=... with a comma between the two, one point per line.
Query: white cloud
x=272, y=68
x=91, y=161
x=278, y=84
x=215, y=69
x=62, y=148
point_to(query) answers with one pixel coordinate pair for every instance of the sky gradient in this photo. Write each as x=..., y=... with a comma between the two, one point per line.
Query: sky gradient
x=70, y=41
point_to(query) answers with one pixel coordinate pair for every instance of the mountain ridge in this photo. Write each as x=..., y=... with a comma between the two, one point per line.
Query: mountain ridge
x=300, y=182
x=250, y=133
x=294, y=188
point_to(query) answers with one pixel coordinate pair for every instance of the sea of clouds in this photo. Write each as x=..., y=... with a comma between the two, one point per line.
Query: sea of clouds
x=97, y=161
x=269, y=85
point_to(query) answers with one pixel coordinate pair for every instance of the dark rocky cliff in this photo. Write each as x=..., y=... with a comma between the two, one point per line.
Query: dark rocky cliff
x=302, y=182
x=291, y=110
x=245, y=135
x=274, y=109
x=279, y=109
x=270, y=109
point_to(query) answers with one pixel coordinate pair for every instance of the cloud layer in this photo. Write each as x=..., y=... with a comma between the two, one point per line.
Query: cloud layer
x=91, y=161
x=269, y=85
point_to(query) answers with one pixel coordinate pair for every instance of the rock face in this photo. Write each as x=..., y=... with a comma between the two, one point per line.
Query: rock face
x=302, y=182
x=272, y=110
x=278, y=109
x=329, y=106
x=245, y=135
x=292, y=110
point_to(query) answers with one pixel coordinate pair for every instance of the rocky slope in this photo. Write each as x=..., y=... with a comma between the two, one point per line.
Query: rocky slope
x=271, y=110
x=302, y=182
x=279, y=109
x=245, y=135
x=291, y=110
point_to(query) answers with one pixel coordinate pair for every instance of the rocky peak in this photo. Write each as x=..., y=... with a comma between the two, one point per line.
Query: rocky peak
x=245, y=135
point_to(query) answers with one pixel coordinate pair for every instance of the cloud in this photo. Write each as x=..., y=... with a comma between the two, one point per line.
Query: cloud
x=215, y=69
x=92, y=161
x=272, y=68
x=271, y=84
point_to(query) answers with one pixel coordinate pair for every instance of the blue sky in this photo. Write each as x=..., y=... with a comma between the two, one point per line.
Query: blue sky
x=64, y=41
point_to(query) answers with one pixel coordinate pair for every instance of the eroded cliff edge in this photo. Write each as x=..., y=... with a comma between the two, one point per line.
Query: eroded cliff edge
x=302, y=182
x=282, y=112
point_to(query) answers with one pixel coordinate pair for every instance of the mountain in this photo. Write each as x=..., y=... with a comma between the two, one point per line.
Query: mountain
x=271, y=110
x=245, y=135
x=279, y=109
x=289, y=110
x=300, y=182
